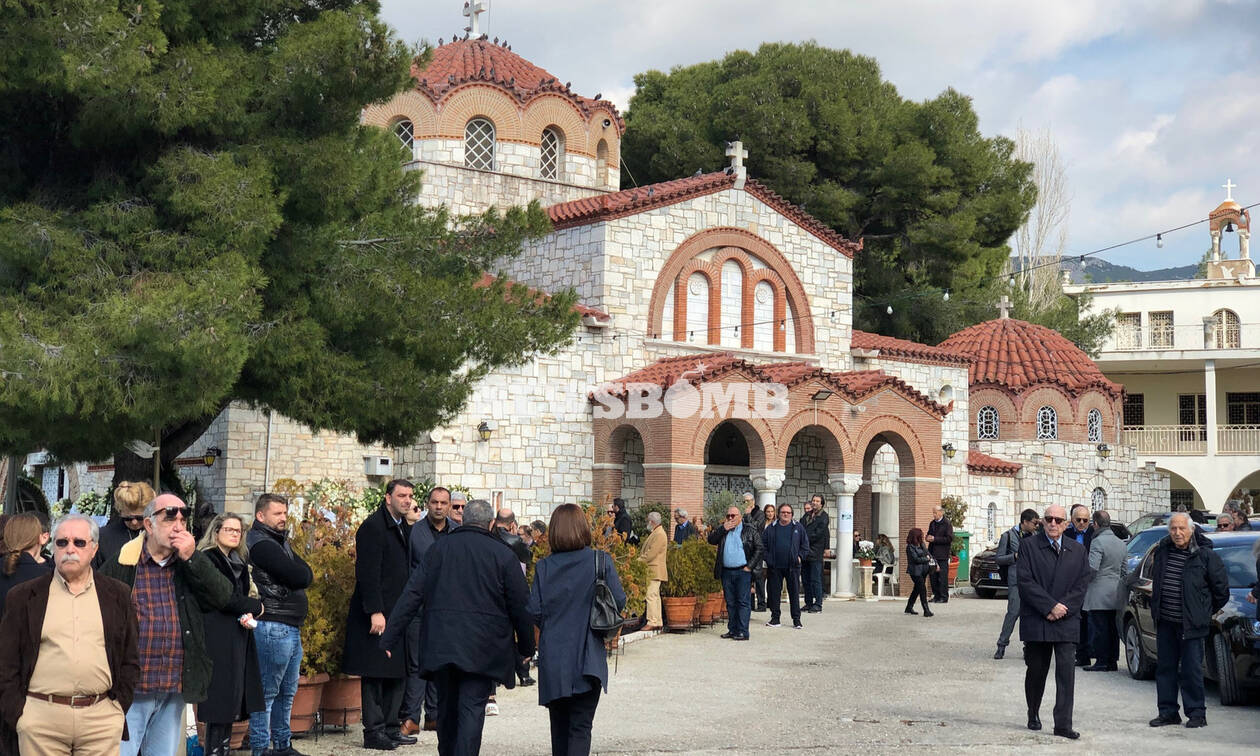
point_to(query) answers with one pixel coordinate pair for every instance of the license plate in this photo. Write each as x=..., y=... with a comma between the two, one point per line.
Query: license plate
x=995, y=576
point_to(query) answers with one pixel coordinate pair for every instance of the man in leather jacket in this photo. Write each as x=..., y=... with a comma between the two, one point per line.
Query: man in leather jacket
x=733, y=566
x=1007, y=554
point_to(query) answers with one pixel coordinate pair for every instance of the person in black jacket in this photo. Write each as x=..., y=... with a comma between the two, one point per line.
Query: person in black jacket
x=917, y=567
x=621, y=521
x=380, y=574
x=683, y=529
x=758, y=518
x=24, y=537
x=785, y=544
x=1053, y=575
x=419, y=693
x=940, y=540
x=1006, y=556
x=1188, y=585
x=818, y=529
x=130, y=499
x=1080, y=531
x=235, y=683
x=733, y=565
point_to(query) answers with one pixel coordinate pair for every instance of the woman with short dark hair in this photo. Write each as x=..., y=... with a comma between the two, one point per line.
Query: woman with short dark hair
x=917, y=567
x=572, y=663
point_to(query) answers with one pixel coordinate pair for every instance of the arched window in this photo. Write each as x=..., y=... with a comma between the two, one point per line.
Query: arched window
x=479, y=144
x=1224, y=330
x=1098, y=499
x=987, y=424
x=1047, y=424
x=991, y=519
x=601, y=163
x=406, y=133
x=1094, y=424
x=552, y=154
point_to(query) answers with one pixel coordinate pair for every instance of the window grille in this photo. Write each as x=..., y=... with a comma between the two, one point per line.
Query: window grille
x=1094, y=423
x=987, y=424
x=1161, y=329
x=1047, y=424
x=406, y=134
x=1098, y=499
x=552, y=151
x=479, y=144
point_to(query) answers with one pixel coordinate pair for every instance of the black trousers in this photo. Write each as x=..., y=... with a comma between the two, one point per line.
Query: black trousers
x=1084, y=654
x=940, y=579
x=416, y=686
x=774, y=586
x=1104, y=638
x=919, y=592
x=759, y=586
x=382, y=700
x=571, y=721
x=1037, y=658
x=461, y=711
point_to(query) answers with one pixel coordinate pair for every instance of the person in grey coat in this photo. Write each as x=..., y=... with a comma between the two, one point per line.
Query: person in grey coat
x=1104, y=596
x=1007, y=554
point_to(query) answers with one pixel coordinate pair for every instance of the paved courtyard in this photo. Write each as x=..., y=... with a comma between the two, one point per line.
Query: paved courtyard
x=860, y=678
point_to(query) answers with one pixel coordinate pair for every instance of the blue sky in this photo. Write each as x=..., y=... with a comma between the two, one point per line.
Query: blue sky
x=1152, y=104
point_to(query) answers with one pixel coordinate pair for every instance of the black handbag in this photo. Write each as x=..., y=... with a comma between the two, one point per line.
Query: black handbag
x=606, y=619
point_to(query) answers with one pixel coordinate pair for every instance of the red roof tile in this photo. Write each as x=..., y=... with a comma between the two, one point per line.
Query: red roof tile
x=1018, y=355
x=901, y=349
x=986, y=465
x=628, y=202
x=465, y=60
x=579, y=308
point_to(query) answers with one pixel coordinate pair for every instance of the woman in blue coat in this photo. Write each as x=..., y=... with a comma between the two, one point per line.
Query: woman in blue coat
x=572, y=664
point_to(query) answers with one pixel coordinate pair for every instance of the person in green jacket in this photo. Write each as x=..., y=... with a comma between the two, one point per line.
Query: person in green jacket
x=172, y=585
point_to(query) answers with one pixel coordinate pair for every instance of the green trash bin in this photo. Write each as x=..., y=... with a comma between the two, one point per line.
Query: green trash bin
x=964, y=556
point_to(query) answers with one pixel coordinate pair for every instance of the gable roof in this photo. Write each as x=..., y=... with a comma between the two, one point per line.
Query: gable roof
x=908, y=351
x=986, y=465
x=581, y=212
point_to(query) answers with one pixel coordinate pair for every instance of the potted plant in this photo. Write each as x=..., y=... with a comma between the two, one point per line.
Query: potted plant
x=956, y=512
x=679, y=592
x=865, y=553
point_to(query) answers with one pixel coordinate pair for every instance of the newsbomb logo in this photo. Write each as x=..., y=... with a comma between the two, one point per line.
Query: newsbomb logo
x=683, y=400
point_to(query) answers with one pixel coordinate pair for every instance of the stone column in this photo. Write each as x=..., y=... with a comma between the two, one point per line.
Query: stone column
x=844, y=486
x=767, y=482
x=1209, y=392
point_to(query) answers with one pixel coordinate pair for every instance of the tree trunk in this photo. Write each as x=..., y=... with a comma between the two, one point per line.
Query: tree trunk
x=175, y=441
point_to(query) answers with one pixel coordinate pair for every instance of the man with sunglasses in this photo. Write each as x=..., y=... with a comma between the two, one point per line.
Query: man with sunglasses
x=739, y=550
x=1080, y=531
x=68, y=663
x=171, y=585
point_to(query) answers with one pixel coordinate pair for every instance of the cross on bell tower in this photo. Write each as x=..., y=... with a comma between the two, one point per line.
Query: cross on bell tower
x=1229, y=186
x=472, y=10
x=736, y=152
x=1004, y=307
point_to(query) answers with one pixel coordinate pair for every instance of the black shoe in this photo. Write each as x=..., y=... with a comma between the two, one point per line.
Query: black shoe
x=797, y=626
x=739, y=637
x=378, y=741
x=727, y=635
x=1069, y=734
x=401, y=739
x=928, y=613
x=288, y=750
x=527, y=681
x=1162, y=721
x=1083, y=662
x=911, y=611
x=759, y=608
x=1196, y=722
x=1101, y=668
x=1001, y=652
x=1034, y=722
x=772, y=623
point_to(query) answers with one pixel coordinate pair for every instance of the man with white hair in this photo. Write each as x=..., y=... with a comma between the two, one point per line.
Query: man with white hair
x=683, y=528
x=459, y=501
x=1188, y=585
x=653, y=553
x=66, y=687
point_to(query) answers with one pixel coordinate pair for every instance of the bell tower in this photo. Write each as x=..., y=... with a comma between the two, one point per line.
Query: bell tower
x=1230, y=218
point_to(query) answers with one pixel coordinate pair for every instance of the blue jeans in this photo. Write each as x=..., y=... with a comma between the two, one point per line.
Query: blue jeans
x=1179, y=664
x=153, y=724
x=813, y=583
x=736, y=584
x=279, y=662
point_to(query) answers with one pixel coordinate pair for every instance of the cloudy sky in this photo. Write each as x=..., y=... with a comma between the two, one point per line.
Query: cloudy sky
x=1153, y=104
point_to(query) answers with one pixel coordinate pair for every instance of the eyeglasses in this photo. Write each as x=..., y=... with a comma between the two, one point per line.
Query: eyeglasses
x=1080, y=519
x=237, y=531
x=1055, y=520
x=132, y=518
x=731, y=516
x=170, y=513
x=457, y=507
x=79, y=543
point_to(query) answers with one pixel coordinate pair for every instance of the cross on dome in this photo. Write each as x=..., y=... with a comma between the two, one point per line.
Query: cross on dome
x=736, y=152
x=1229, y=187
x=1004, y=307
x=472, y=10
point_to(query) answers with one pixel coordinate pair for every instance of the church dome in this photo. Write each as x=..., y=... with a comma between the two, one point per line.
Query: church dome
x=1017, y=355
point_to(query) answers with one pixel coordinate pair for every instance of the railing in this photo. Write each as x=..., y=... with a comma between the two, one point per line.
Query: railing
x=1162, y=337
x=1167, y=439
x=1238, y=439
x=1128, y=338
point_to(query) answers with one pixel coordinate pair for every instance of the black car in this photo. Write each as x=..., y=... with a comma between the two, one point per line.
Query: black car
x=1153, y=519
x=986, y=576
x=1232, y=655
x=1139, y=544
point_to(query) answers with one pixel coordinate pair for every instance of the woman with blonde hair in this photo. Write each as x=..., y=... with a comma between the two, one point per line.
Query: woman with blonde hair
x=235, y=684
x=130, y=499
x=24, y=536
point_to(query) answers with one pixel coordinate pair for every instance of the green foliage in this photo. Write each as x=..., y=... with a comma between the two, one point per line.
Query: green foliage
x=934, y=199
x=631, y=571
x=638, y=517
x=955, y=510
x=90, y=503
x=715, y=508
x=191, y=213
x=690, y=567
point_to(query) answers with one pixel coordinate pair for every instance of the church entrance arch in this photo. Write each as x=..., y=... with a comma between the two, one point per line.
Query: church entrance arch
x=726, y=461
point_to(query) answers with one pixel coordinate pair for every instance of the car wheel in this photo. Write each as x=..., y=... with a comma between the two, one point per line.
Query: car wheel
x=1140, y=667
x=986, y=593
x=1226, y=678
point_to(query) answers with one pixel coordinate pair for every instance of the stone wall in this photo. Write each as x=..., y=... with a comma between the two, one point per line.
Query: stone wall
x=468, y=191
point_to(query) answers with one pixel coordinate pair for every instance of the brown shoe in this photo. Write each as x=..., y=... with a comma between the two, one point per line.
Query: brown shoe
x=409, y=727
x=430, y=725
x=650, y=628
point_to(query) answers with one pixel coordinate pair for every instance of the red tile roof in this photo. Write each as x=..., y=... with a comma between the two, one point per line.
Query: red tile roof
x=628, y=202
x=986, y=465
x=853, y=386
x=464, y=60
x=1017, y=355
x=581, y=309
x=908, y=351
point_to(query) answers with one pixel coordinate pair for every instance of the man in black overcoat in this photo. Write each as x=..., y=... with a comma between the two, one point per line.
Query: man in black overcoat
x=1079, y=530
x=1053, y=575
x=940, y=540
x=380, y=574
x=474, y=626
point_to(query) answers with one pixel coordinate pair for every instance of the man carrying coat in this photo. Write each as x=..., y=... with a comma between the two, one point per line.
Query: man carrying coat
x=380, y=573
x=785, y=543
x=1104, y=596
x=1053, y=574
x=1189, y=585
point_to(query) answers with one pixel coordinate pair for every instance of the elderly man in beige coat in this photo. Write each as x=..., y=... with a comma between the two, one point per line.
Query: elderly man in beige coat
x=653, y=552
x=1105, y=594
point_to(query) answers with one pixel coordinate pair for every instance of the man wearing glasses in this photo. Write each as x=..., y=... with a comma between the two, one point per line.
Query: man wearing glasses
x=418, y=692
x=1080, y=531
x=739, y=550
x=65, y=687
x=171, y=584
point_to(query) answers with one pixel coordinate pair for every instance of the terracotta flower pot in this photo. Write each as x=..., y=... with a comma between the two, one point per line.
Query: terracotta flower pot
x=341, y=703
x=717, y=604
x=678, y=611
x=953, y=569
x=238, y=741
x=306, y=702
x=707, y=609
x=864, y=562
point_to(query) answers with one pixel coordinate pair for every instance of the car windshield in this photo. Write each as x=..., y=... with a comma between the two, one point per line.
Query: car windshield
x=1144, y=539
x=1240, y=562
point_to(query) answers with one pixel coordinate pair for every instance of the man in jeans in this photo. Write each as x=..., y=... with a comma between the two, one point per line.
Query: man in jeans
x=282, y=578
x=171, y=582
x=739, y=549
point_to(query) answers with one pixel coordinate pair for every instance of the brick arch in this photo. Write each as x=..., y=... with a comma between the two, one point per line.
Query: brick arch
x=1110, y=410
x=611, y=135
x=897, y=432
x=468, y=102
x=560, y=113
x=1034, y=399
x=791, y=290
x=610, y=446
x=829, y=427
x=756, y=432
x=411, y=105
x=1008, y=413
x=681, y=294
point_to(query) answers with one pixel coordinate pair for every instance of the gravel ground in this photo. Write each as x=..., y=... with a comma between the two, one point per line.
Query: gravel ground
x=860, y=678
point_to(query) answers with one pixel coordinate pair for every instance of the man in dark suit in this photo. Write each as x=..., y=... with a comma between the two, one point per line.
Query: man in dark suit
x=380, y=574
x=1079, y=530
x=683, y=529
x=418, y=692
x=818, y=530
x=1053, y=575
x=940, y=539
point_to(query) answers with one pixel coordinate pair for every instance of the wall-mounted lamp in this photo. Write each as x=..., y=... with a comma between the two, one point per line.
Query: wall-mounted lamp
x=210, y=454
x=949, y=451
x=1104, y=451
x=485, y=429
x=822, y=395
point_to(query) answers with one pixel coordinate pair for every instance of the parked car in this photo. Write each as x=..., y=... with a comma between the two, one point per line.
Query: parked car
x=1153, y=519
x=1232, y=655
x=986, y=575
x=1140, y=543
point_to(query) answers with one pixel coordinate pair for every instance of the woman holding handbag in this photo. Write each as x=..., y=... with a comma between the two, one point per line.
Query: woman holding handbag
x=572, y=662
x=918, y=563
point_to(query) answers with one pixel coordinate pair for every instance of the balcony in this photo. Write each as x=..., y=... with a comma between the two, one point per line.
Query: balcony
x=1191, y=440
x=1131, y=338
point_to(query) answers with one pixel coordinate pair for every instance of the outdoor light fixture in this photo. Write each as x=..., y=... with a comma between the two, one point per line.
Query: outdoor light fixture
x=484, y=430
x=822, y=395
x=210, y=454
x=1159, y=240
x=949, y=451
x=1104, y=451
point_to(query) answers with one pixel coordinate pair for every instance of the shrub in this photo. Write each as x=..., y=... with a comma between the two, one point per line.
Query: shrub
x=638, y=517
x=631, y=571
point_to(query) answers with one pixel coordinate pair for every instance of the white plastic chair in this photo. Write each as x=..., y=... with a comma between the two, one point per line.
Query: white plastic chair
x=883, y=580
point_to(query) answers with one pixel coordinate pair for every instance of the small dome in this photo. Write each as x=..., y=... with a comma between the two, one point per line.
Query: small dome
x=1018, y=355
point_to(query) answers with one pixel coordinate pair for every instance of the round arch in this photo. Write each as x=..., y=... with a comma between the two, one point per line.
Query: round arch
x=828, y=427
x=560, y=113
x=755, y=432
x=471, y=101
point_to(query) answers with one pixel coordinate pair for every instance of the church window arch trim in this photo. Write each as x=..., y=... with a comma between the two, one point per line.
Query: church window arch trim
x=1047, y=424
x=988, y=424
x=479, y=144
x=405, y=131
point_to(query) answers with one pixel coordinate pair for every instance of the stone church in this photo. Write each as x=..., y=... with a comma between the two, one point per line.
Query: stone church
x=714, y=287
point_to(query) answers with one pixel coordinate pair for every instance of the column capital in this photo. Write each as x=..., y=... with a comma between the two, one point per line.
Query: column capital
x=767, y=479
x=843, y=484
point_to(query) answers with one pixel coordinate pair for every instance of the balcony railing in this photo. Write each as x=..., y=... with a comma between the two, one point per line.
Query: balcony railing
x=1130, y=338
x=1190, y=440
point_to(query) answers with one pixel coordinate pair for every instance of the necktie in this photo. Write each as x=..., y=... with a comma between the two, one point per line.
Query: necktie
x=1057, y=548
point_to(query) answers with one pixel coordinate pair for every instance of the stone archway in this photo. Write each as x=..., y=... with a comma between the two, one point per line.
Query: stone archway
x=894, y=457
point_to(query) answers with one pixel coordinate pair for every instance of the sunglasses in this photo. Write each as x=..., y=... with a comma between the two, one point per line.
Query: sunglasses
x=79, y=543
x=1055, y=520
x=731, y=516
x=170, y=513
x=132, y=518
x=458, y=507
